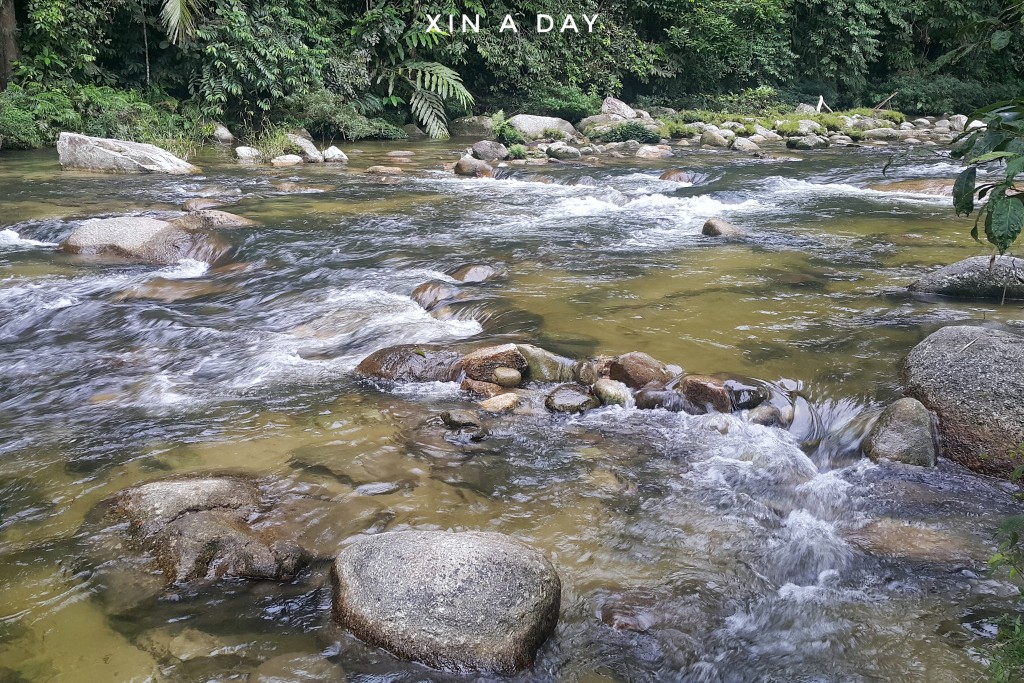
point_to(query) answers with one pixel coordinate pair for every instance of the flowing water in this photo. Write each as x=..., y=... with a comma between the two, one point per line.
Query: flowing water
x=691, y=548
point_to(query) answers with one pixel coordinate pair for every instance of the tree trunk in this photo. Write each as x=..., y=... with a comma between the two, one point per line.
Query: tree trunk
x=8, y=42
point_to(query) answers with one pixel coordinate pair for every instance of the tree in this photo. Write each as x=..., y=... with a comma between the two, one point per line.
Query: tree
x=9, y=52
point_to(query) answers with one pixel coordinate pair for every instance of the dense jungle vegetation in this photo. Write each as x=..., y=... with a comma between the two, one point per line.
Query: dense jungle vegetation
x=162, y=68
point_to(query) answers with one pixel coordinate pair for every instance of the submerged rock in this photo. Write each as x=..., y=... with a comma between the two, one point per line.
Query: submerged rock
x=903, y=433
x=571, y=398
x=411, y=363
x=298, y=668
x=84, y=153
x=719, y=227
x=146, y=240
x=972, y=378
x=430, y=295
x=502, y=403
x=475, y=272
x=384, y=170
x=460, y=602
x=636, y=369
x=703, y=390
x=211, y=219
x=481, y=364
x=978, y=277
x=199, y=528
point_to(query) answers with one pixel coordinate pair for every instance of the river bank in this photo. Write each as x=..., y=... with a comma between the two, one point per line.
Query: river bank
x=683, y=551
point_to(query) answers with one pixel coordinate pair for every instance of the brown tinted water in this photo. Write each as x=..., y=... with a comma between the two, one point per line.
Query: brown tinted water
x=686, y=553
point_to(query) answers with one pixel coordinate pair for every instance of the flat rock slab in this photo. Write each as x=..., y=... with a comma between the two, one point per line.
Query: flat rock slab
x=979, y=277
x=410, y=363
x=84, y=153
x=147, y=240
x=973, y=379
x=466, y=601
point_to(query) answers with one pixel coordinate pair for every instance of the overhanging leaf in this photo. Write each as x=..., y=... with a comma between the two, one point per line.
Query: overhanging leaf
x=1000, y=39
x=1004, y=221
x=963, y=191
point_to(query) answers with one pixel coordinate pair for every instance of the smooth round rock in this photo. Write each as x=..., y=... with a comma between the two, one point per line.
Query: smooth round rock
x=457, y=601
x=571, y=398
x=611, y=392
x=507, y=377
x=978, y=277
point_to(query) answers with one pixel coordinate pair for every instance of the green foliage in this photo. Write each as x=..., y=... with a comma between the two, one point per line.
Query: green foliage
x=329, y=116
x=505, y=133
x=788, y=128
x=567, y=102
x=890, y=115
x=675, y=128
x=999, y=145
x=427, y=85
x=553, y=134
x=932, y=94
x=517, y=152
x=631, y=130
x=1006, y=663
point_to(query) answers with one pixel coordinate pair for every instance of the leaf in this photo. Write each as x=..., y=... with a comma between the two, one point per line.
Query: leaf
x=1004, y=221
x=963, y=191
x=992, y=156
x=1014, y=167
x=1000, y=39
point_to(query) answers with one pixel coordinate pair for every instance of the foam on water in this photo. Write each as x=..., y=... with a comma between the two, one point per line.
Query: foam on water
x=183, y=270
x=791, y=186
x=10, y=238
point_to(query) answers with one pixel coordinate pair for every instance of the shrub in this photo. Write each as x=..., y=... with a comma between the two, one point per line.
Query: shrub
x=674, y=128
x=920, y=94
x=330, y=116
x=566, y=102
x=517, y=152
x=554, y=134
x=754, y=101
x=504, y=133
x=631, y=130
x=853, y=133
x=18, y=129
x=788, y=128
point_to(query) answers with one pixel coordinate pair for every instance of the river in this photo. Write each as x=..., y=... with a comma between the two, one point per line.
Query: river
x=691, y=548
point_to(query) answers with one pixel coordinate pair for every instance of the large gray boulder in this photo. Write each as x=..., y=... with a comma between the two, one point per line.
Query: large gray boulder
x=146, y=240
x=461, y=602
x=618, y=108
x=712, y=138
x=310, y=154
x=471, y=126
x=84, y=153
x=978, y=277
x=544, y=366
x=590, y=122
x=903, y=433
x=471, y=167
x=533, y=127
x=563, y=152
x=972, y=378
x=489, y=150
x=201, y=528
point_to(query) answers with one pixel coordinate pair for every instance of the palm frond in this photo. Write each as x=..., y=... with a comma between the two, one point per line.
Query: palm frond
x=178, y=18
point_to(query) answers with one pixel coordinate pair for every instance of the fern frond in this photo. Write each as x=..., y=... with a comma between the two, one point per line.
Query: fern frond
x=438, y=79
x=428, y=108
x=178, y=18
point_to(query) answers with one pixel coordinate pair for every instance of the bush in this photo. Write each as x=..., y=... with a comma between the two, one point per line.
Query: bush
x=18, y=129
x=329, y=116
x=631, y=130
x=788, y=128
x=504, y=133
x=554, y=134
x=891, y=115
x=568, y=102
x=674, y=128
x=517, y=152
x=921, y=94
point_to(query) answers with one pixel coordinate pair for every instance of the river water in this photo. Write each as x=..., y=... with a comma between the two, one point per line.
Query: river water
x=691, y=548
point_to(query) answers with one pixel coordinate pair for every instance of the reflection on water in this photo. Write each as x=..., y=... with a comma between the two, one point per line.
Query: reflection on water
x=691, y=548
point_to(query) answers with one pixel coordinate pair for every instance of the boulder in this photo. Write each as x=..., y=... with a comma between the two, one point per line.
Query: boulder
x=887, y=134
x=384, y=170
x=744, y=145
x=711, y=138
x=310, y=154
x=286, y=160
x=807, y=142
x=745, y=395
x=654, y=152
x=146, y=240
x=410, y=363
x=590, y=122
x=571, y=398
x=805, y=109
x=636, y=369
x=767, y=133
x=488, y=389
x=430, y=295
x=719, y=227
x=972, y=378
x=544, y=366
x=807, y=127
x=618, y=108
x=211, y=219
x=533, y=127
x=247, y=153
x=200, y=204
x=612, y=392
x=678, y=175
x=413, y=131
x=489, y=150
x=958, y=122
x=502, y=403
x=481, y=364
x=706, y=391
x=978, y=277
x=456, y=601
x=507, y=377
x=222, y=135
x=657, y=396
x=84, y=153
x=471, y=126
x=333, y=155
x=475, y=272
x=473, y=168
x=903, y=433
x=563, y=152
x=200, y=528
